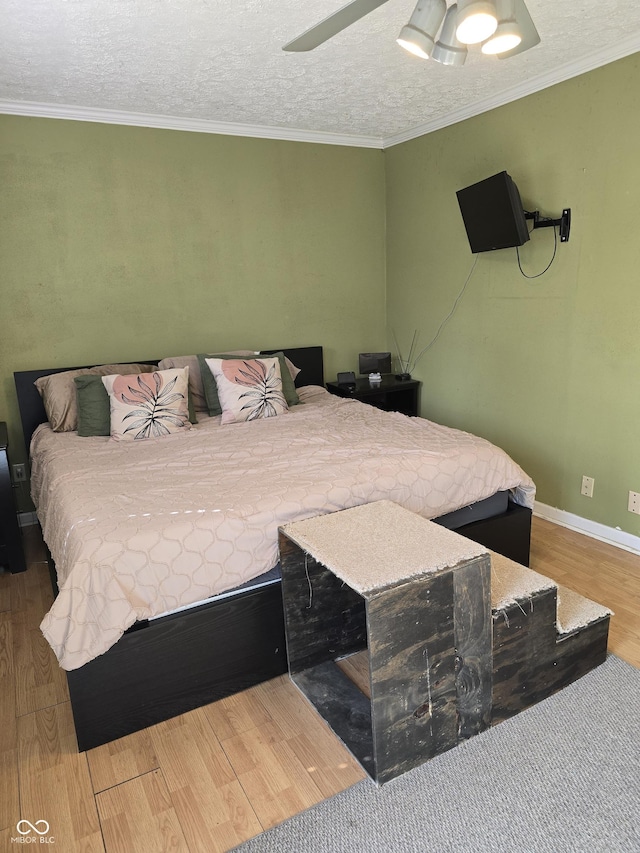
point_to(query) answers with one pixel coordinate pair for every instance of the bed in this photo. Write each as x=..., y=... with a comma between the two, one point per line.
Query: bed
x=177, y=650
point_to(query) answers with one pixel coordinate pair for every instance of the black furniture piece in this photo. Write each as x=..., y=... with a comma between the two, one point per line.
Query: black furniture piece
x=390, y=394
x=427, y=630
x=167, y=666
x=448, y=655
x=11, y=551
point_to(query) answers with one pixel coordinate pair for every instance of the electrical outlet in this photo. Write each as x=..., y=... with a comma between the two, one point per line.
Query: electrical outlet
x=587, y=487
x=19, y=473
x=634, y=502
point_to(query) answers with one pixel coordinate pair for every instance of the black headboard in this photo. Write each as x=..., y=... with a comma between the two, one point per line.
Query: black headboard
x=308, y=359
x=310, y=362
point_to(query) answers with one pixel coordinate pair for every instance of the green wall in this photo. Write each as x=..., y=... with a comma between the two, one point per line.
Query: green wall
x=549, y=368
x=125, y=243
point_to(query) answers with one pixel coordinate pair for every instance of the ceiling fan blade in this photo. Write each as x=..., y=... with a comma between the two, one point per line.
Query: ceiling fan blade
x=334, y=24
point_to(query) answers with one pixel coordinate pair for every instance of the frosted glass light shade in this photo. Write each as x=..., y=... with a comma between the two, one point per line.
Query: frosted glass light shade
x=415, y=41
x=448, y=50
x=477, y=20
x=418, y=36
x=506, y=37
x=530, y=35
x=508, y=33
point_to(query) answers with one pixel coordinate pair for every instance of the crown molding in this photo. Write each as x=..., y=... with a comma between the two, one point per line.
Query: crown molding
x=33, y=109
x=542, y=81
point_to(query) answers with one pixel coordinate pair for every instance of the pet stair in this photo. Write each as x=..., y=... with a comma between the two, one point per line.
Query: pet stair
x=544, y=637
x=458, y=639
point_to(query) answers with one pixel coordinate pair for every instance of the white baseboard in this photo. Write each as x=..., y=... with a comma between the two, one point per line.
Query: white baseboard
x=610, y=535
x=26, y=519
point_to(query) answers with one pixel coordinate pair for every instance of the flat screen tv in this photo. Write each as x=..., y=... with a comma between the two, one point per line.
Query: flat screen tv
x=492, y=214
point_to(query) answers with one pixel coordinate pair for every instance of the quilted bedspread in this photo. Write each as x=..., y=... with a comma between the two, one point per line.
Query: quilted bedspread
x=137, y=529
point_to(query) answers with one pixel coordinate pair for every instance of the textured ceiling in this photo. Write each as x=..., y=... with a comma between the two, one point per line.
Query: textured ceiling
x=221, y=61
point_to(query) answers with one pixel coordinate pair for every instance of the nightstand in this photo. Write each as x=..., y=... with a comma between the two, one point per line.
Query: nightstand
x=391, y=394
x=11, y=551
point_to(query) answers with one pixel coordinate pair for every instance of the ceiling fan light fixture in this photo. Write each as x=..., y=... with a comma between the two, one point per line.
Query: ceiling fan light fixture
x=506, y=37
x=502, y=27
x=508, y=33
x=415, y=41
x=419, y=35
x=530, y=35
x=448, y=50
x=477, y=21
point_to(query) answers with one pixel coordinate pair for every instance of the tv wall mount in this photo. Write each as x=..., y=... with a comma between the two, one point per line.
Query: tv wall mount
x=564, y=223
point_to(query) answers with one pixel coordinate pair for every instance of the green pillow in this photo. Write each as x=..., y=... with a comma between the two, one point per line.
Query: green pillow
x=94, y=412
x=211, y=389
x=92, y=400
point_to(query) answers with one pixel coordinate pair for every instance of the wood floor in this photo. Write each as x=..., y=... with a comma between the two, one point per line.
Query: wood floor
x=212, y=778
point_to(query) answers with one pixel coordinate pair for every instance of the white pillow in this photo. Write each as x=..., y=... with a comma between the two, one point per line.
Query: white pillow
x=148, y=405
x=248, y=388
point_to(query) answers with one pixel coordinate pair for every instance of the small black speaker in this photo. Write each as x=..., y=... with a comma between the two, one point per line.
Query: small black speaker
x=347, y=378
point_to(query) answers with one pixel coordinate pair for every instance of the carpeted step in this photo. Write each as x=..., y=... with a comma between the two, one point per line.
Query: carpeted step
x=544, y=636
x=512, y=583
x=575, y=611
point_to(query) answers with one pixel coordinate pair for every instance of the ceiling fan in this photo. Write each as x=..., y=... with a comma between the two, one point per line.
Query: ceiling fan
x=502, y=27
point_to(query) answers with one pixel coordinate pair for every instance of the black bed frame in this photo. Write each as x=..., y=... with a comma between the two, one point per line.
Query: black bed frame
x=167, y=666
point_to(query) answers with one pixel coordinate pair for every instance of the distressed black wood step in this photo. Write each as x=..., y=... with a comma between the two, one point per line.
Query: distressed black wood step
x=531, y=660
x=344, y=707
x=444, y=664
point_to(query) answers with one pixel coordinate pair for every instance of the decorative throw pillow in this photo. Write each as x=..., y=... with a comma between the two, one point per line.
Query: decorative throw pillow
x=248, y=389
x=293, y=370
x=288, y=376
x=288, y=371
x=94, y=411
x=148, y=405
x=209, y=383
x=58, y=391
x=196, y=386
x=92, y=401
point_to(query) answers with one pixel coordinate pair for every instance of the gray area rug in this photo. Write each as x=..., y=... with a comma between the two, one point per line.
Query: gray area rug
x=561, y=777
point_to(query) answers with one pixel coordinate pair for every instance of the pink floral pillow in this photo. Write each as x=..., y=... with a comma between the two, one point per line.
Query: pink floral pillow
x=248, y=389
x=148, y=405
